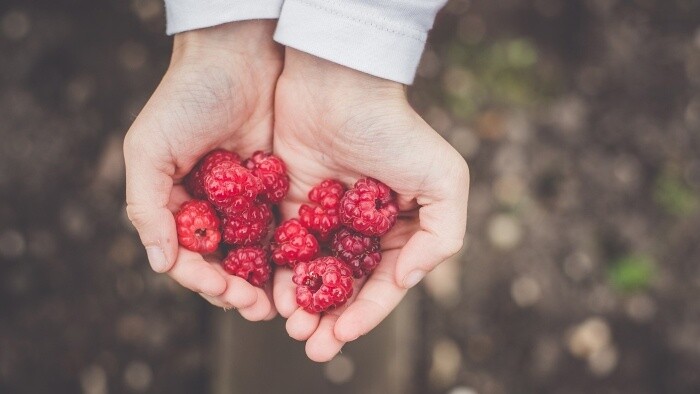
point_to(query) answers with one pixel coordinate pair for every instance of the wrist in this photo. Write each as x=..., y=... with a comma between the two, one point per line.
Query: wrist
x=251, y=39
x=326, y=75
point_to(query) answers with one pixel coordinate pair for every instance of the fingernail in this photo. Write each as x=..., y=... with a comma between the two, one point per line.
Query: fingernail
x=156, y=258
x=413, y=278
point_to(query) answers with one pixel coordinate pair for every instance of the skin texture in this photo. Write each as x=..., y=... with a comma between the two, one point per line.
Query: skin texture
x=225, y=88
x=334, y=122
x=217, y=93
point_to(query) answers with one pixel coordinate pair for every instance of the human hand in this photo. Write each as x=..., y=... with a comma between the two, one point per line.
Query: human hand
x=334, y=122
x=217, y=93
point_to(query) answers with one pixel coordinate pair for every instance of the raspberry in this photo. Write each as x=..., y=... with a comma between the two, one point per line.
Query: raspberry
x=360, y=252
x=273, y=174
x=369, y=207
x=293, y=244
x=323, y=219
x=247, y=227
x=322, y=284
x=231, y=187
x=249, y=263
x=194, y=181
x=198, y=227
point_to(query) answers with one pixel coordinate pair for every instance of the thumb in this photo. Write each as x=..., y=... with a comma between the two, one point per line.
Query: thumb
x=442, y=219
x=148, y=186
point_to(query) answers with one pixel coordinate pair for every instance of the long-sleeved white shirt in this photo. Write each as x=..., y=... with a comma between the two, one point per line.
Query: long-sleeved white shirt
x=384, y=38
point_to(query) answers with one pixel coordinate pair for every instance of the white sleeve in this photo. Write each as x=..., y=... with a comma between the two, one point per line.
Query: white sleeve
x=384, y=38
x=183, y=15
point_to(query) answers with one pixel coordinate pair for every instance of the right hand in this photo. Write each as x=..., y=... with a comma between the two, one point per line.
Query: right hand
x=217, y=93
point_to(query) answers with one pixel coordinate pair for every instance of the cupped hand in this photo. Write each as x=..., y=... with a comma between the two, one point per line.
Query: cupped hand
x=334, y=122
x=217, y=93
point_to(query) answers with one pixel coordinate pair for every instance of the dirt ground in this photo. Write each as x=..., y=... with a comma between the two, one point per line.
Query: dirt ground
x=581, y=124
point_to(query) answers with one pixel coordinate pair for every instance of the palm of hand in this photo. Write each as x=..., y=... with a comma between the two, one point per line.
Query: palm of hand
x=345, y=137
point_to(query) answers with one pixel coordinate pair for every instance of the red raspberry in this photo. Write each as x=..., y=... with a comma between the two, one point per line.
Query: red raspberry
x=369, y=207
x=231, y=187
x=194, y=181
x=198, y=227
x=322, y=284
x=249, y=263
x=323, y=219
x=293, y=244
x=247, y=227
x=360, y=252
x=273, y=174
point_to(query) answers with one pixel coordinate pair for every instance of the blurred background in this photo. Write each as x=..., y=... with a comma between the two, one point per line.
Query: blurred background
x=580, y=120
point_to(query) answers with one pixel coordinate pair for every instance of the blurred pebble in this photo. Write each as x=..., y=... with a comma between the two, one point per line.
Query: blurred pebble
x=138, y=376
x=131, y=328
x=545, y=357
x=590, y=80
x=15, y=25
x=439, y=119
x=465, y=141
x=147, y=9
x=443, y=283
x=504, y=231
x=458, y=7
x=510, y=160
x=93, y=380
x=110, y=168
x=75, y=222
x=641, y=308
x=124, y=250
x=627, y=171
x=692, y=113
x=578, y=266
x=491, y=125
x=509, y=189
x=132, y=55
x=12, y=244
x=79, y=90
x=462, y=390
x=471, y=29
x=446, y=362
x=339, y=370
x=458, y=82
x=589, y=337
x=568, y=114
x=603, y=362
x=525, y=291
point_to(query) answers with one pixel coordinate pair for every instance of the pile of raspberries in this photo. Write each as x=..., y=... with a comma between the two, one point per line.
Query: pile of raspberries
x=334, y=241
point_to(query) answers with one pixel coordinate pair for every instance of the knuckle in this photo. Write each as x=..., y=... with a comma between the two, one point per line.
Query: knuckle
x=137, y=215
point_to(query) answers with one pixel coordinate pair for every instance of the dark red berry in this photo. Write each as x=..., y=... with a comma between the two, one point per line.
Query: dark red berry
x=273, y=174
x=231, y=187
x=324, y=218
x=322, y=284
x=293, y=244
x=194, y=181
x=360, y=252
x=198, y=227
x=370, y=207
x=249, y=263
x=247, y=227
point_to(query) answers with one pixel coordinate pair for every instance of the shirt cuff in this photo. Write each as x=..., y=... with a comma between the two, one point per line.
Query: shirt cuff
x=183, y=15
x=372, y=45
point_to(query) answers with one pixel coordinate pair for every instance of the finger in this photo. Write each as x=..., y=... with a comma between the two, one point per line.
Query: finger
x=302, y=324
x=148, y=186
x=216, y=302
x=191, y=271
x=284, y=292
x=443, y=221
x=378, y=297
x=323, y=345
